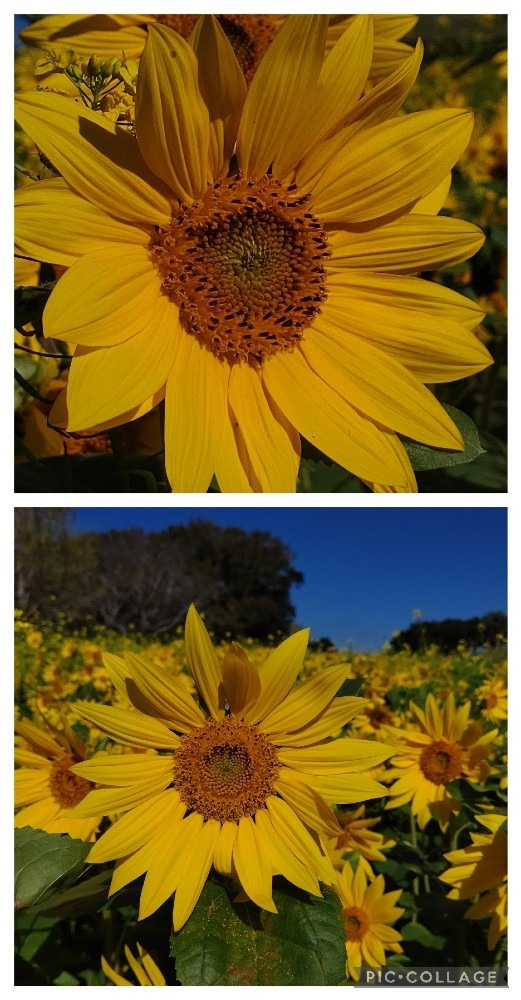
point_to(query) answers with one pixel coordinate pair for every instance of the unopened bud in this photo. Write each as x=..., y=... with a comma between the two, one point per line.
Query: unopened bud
x=93, y=65
x=74, y=72
x=107, y=68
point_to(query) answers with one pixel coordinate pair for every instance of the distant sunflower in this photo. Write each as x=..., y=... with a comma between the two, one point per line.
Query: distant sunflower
x=357, y=836
x=45, y=787
x=249, y=35
x=244, y=781
x=230, y=258
x=367, y=912
x=445, y=745
x=481, y=868
x=144, y=968
x=494, y=695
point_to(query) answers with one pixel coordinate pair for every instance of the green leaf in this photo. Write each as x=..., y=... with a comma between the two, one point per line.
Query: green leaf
x=227, y=944
x=421, y=934
x=350, y=687
x=423, y=458
x=86, y=896
x=317, y=476
x=44, y=862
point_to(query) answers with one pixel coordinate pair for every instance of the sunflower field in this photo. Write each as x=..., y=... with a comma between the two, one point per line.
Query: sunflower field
x=200, y=814
x=261, y=253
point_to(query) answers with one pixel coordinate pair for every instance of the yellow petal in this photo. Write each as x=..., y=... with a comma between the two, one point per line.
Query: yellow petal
x=106, y=382
x=103, y=801
x=54, y=225
x=304, y=704
x=344, y=789
x=172, y=124
x=131, y=728
x=390, y=166
x=411, y=243
x=307, y=803
x=368, y=288
x=270, y=448
x=433, y=202
x=99, y=160
x=241, y=680
x=203, y=663
x=223, y=850
x=136, y=827
x=253, y=865
x=194, y=871
x=113, y=975
x=377, y=385
x=283, y=859
x=278, y=673
x=123, y=769
x=339, y=756
x=296, y=837
x=169, y=696
x=230, y=471
x=164, y=872
x=281, y=89
x=339, y=713
x=192, y=428
x=103, y=299
x=329, y=422
x=223, y=90
x=105, y=35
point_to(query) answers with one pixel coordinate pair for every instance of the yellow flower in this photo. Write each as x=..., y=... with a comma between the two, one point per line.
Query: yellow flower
x=367, y=913
x=45, y=787
x=249, y=35
x=247, y=258
x=495, y=697
x=145, y=970
x=357, y=835
x=444, y=745
x=482, y=868
x=244, y=784
x=34, y=639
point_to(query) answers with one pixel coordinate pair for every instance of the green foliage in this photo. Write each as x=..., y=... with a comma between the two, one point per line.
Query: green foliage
x=424, y=458
x=227, y=944
x=45, y=862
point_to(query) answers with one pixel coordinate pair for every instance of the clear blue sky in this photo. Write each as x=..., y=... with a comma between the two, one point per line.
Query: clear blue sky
x=365, y=569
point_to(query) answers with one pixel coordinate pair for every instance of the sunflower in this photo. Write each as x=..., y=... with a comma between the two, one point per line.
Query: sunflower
x=249, y=35
x=243, y=781
x=45, y=787
x=231, y=261
x=482, y=868
x=367, y=912
x=144, y=968
x=445, y=745
x=358, y=836
x=494, y=695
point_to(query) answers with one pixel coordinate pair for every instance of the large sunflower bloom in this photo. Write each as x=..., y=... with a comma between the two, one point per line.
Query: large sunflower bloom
x=231, y=260
x=482, y=868
x=244, y=783
x=367, y=912
x=45, y=787
x=248, y=34
x=445, y=745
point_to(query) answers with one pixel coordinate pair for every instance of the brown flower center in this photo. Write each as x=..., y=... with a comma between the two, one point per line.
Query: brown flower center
x=441, y=762
x=67, y=788
x=225, y=770
x=249, y=34
x=245, y=266
x=356, y=923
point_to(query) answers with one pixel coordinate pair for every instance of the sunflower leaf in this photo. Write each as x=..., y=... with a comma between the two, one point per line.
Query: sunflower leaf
x=227, y=944
x=423, y=458
x=45, y=862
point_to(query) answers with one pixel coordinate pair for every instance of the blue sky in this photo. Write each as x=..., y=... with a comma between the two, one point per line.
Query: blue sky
x=365, y=569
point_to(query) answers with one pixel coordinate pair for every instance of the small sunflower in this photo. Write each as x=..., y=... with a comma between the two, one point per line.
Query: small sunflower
x=494, y=695
x=481, y=868
x=144, y=968
x=367, y=912
x=358, y=836
x=244, y=778
x=247, y=256
x=45, y=787
x=445, y=745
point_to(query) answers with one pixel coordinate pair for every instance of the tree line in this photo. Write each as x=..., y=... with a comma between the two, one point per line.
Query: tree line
x=240, y=579
x=489, y=630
